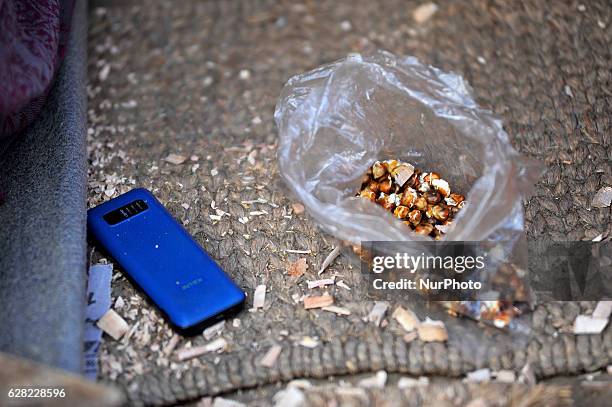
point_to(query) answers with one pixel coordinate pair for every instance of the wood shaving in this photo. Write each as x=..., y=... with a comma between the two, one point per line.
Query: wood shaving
x=259, y=297
x=171, y=345
x=329, y=259
x=406, y=318
x=409, y=382
x=504, y=376
x=321, y=283
x=299, y=383
x=119, y=302
x=269, y=359
x=252, y=201
x=318, y=301
x=297, y=268
x=432, y=331
x=295, y=251
x=337, y=310
x=309, y=342
x=113, y=324
x=190, y=353
x=402, y=173
x=602, y=310
x=602, y=198
x=298, y=208
x=478, y=376
x=289, y=397
x=221, y=402
x=424, y=12
x=586, y=324
x=377, y=381
x=343, y=285
x=175, y=159
x=214, y=330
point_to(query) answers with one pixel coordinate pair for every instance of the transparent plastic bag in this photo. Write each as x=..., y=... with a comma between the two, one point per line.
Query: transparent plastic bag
x=337, y=120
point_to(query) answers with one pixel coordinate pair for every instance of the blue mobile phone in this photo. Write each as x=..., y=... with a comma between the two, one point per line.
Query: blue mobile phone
x=162, y=258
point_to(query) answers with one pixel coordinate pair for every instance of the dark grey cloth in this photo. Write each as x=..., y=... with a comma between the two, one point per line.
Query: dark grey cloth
x=43, y=176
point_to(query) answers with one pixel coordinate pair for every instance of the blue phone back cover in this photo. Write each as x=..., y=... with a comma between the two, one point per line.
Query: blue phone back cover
x=165, y=261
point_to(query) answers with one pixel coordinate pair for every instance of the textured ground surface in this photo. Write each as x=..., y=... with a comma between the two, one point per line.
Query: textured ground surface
x=201, y=79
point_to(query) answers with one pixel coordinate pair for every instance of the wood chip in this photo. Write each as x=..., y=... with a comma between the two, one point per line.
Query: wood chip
x=409, y=382
x=343, y=285
x=402, y=173
x=337, y=310
x=406, y=318
x=299, y=383
x=321, y=283
x=586, y=324
x=169, y=348
x=175, y=159
x=119, y=302
x=289, y=397
x=318, y=301
x=329, y=259
x=354, y=393
x=252, y=201
x=214, y=330
x=478, y=376
x=309, y=342
x=505, y=376
x=377, y=382
x=221, y=402
x=298, y=208
x=113, y=324
x=205, y=402
x=424, y=12
x=269, y=359
x=103, y=74
x=190, y=353
x=377, y=312
x=602, y=198
x=432, y=331
x=298, y=268
x=603, y=310
x=259, y=297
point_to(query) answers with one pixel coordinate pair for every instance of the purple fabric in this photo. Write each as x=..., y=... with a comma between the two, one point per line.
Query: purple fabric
x=33, y=35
